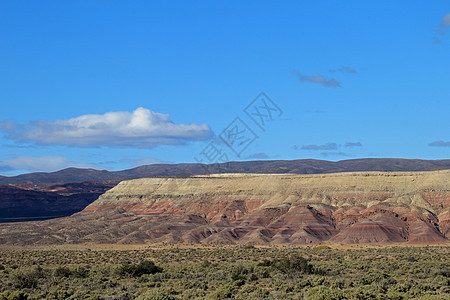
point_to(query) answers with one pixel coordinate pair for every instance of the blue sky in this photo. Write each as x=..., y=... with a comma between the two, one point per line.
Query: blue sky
x=115, y=84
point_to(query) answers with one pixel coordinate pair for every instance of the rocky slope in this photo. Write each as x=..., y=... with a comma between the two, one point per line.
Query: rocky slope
x=19, y=203
x=368, y=207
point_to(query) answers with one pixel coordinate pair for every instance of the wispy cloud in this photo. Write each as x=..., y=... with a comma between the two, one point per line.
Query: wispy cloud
x=313, y=147
x=42, y=163
x=19, y=146
x=141, y=128
x=8, y=126
x=439, y=144
x=440, y=31
x=328, y=147
x=352, y=144
x=318, y=79
x=445, y=20
x=344, y=69
x=436, y=40
x=258, y=156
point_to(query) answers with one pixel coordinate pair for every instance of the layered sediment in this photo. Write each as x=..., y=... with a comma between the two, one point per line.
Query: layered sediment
x=346, y=208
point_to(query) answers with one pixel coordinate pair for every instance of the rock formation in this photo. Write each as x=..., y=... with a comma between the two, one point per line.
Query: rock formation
x=21, y=203
x=359, y=207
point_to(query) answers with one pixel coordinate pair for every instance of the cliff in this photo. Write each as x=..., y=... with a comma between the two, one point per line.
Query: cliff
x=364, y=207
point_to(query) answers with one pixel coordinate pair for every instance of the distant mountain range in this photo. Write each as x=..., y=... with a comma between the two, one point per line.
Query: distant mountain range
x=300, y=166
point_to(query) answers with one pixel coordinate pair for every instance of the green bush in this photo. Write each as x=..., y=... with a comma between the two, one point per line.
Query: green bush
x=62, y=272
x=60, y=294
x=193, y=293
x=251, y=291
x=444, y=272
x=29, y=279
x=155, y=294
x=294, y=263
x=18, y=295
x=224, y=292
x=80, y=272
x=322, y=293
x=136, y=270
x=265, y=263
x=239, y=273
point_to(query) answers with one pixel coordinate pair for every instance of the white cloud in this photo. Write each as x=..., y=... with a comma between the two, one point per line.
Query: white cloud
x=141, y=128
x=446, y=20
x=42, y=163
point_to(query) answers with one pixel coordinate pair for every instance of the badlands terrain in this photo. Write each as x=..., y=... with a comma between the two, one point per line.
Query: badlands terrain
x=41, y=195
x=339, y=208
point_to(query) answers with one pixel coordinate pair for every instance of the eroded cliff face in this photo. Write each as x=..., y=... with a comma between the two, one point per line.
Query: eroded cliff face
x=345, y=208
x=276, y=209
